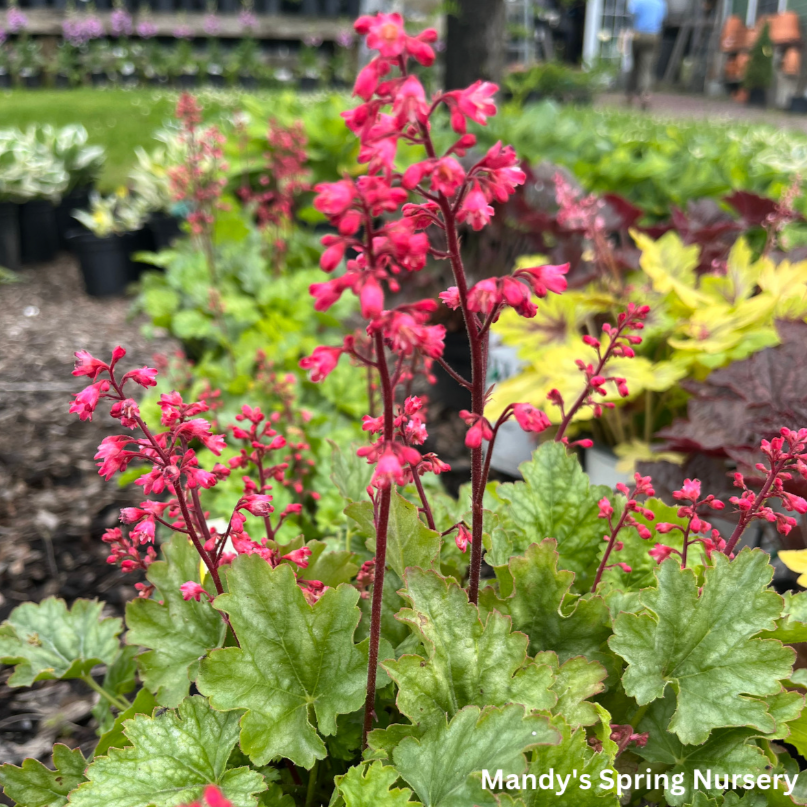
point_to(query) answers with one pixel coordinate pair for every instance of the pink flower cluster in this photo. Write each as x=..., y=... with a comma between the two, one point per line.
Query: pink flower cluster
x=200, y=180
x=175, y=470
x=642, y=486
x=16, y=20
x=212, y=797
x=120, y=22
x=695, y=525
x=146, y=29
x=78, y=30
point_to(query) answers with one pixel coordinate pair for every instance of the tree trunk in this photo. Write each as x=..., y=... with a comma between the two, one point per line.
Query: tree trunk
x=475, y=42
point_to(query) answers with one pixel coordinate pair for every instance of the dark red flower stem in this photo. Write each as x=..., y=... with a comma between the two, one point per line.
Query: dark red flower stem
x=382, y=524
x=747, y=517
x=427, y=510
x=611, y=542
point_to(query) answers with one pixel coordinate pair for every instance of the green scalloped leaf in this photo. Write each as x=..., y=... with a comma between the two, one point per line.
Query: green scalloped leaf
x=556, y=500
x=572, y=753
x=143, y=704
x=172, y=758
x=791, y=628
x=295, y=662
x=46, y=640
x=577, y=680
x=372, y=786
x=409, y=541
x=467, y=663
x=700, y=643
x=533, y=592
x=34, y=785
x=727, y=750
x=444, y=766
x=177, y=632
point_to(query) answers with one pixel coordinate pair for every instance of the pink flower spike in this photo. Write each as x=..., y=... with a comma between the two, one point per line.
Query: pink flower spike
x=463, y=538
x=299, y=556
x=145, y=377
x=475, y=209
x=193, y=591
x=214, y=798
x=88, y=365
x=531, y=419
x=451, y=297
x=321, y=362
x=660, y=552
x=544, y=279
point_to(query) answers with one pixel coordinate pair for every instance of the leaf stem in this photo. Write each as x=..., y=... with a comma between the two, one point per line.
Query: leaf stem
x=118, y=702
x=312, y=785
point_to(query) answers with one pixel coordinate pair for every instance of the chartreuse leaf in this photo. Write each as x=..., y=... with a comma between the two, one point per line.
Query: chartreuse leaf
x=670, y=265
x=176, y=632
x=575, y=681
x=791, y=628
x=444, y=767
x=330, y=568
x=296, y=662
x=46, y=640
x=466, y=662
x=555, y=500
x=350, y=473
x=372, y=786
x=34, y=785
x=172, y=758
x=702, y=646
x=572, y=755
x=726, y=751
x=532, y=591
x=409, y=541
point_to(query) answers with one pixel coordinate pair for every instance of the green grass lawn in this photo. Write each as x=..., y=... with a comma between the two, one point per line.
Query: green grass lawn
x=117, y=119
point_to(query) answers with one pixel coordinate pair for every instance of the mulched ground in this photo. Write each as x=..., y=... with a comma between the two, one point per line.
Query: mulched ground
x=53, y=505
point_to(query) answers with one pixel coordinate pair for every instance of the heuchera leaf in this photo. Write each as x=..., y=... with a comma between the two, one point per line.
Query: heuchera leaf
x=34, y=785
x=532, y=591
x=172, y=758
x=444, y=766
x=296, y=661
x=350, y=473
x=702, y=646
x=46, y=640
x=409, y=541
x=727, y=751
x=575, y=681
x=573, y=753
x=555, y=500
x=466, y=662
x=792, y=627
x=372, y=786
x=177, y=632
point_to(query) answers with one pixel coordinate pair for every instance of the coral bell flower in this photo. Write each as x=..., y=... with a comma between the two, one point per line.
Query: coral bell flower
x=475, y=209
x=385, y=33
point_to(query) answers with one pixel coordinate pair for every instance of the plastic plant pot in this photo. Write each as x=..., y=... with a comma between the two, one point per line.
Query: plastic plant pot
x=104, y=263
x=39, y=236
x=9, y=236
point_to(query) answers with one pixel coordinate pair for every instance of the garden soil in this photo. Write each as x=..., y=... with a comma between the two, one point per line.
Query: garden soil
x=54, y=507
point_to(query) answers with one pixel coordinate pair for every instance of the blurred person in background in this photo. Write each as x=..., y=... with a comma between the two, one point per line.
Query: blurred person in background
x=642, y=43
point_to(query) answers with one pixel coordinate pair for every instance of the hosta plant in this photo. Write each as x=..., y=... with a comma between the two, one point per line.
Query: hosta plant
x=619, y=650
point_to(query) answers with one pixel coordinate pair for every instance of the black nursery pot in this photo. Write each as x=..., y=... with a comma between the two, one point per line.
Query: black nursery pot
x=139, y=241
x=164, y=230
x=39, y=237
x=798, y=106
x=104, y=263
x=187, y=81
x=248, y=82
x=758, y=97
x=9, y=236
x=76, y=199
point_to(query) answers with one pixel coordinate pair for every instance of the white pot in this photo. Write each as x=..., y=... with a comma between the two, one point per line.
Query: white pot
x=600, y=464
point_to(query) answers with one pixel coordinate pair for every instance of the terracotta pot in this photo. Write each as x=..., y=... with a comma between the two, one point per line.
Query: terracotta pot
x=733, y=36
x=752, y=34
x=740, y=96
x=791, y=63
x=785, y=28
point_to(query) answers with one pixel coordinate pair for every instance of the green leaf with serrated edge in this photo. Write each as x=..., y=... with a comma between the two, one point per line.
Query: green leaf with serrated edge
x=575, y=681
x=361, y=513
x=791, y=628
x=34, y=785
x=172, y=758
x=350, y=473
x=466, y=662
x=177, y=632
x=330, y=568
x=382, y=742
x=373, y=786
x=784, y=707
x=296, y=661
x=555, y=500
x=143, y=704
x=702, y=645
x=444, y=767
x=727, y=750
x=46, y=640
x=532, y=592
x=799, y=678
x=409, y=541
x=275, y=797
x=572, y=754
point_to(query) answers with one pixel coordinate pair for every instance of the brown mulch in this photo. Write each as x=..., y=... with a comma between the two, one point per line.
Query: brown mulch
x=53, y=505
